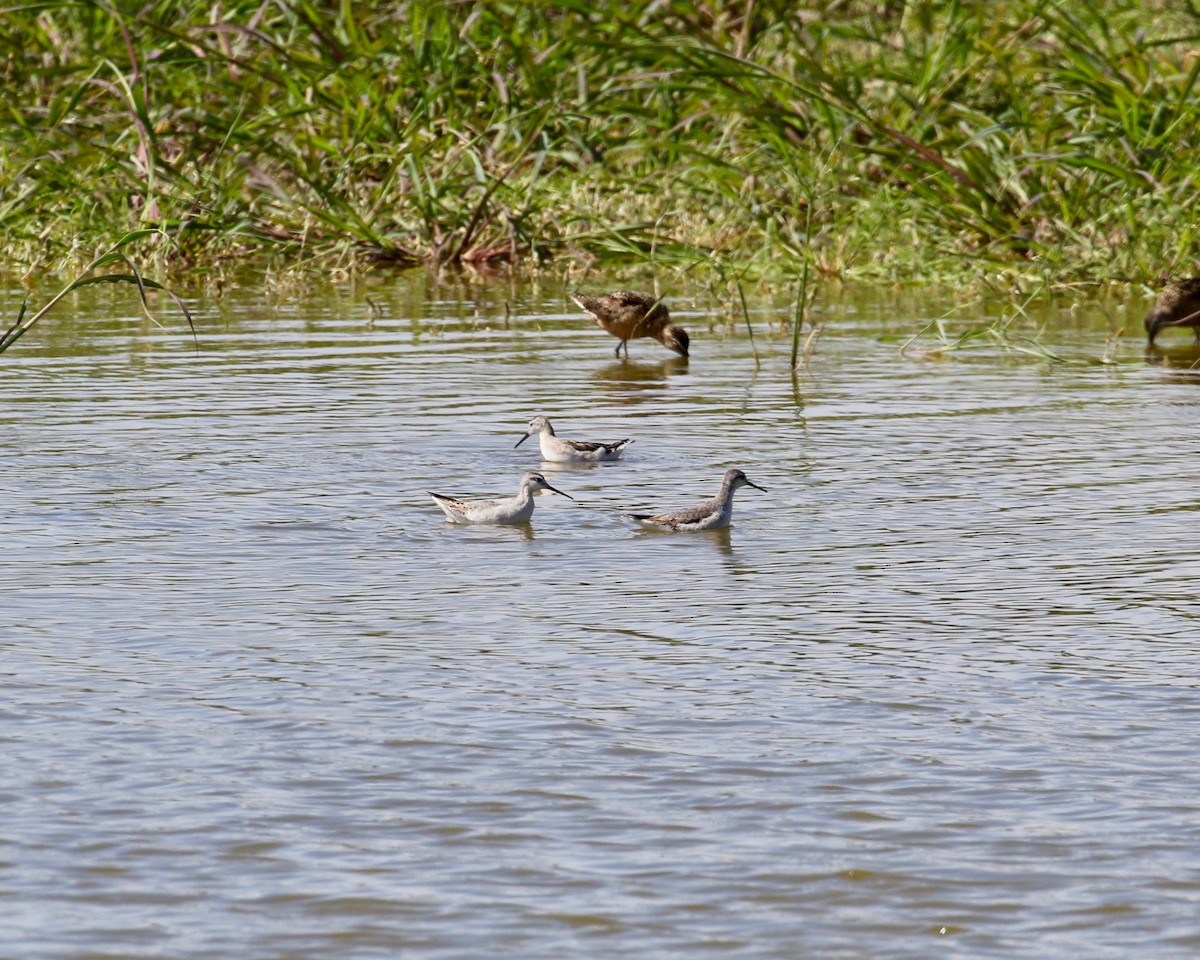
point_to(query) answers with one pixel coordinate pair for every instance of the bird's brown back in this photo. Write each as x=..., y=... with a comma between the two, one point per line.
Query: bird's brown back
x=1179, y=300
x=624, y=307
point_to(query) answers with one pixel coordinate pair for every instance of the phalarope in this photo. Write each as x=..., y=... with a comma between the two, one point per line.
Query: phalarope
x=557, y=450
x=516, y=509
x=1177, y=306
x=629, y=315
x=709, y=515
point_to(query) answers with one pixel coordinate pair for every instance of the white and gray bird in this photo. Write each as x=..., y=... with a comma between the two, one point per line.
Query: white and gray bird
x=710, y=515
x=516, y=509
x=556, y=449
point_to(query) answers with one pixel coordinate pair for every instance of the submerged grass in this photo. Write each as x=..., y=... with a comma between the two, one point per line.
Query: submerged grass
x=880, y=140
x=1005, y=333
x=115, y=254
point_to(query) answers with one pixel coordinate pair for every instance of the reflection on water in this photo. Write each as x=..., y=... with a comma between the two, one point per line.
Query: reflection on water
x=936, y=689
x=487, y=533
x=720, y=539
x=633, y=377
x=1176, y=356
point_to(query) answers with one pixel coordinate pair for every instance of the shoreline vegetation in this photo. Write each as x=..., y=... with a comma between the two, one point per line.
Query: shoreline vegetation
x=1019, y=145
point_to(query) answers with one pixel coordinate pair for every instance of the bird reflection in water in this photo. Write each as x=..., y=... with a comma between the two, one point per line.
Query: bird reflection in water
x=1183, y=356
x=632, y=376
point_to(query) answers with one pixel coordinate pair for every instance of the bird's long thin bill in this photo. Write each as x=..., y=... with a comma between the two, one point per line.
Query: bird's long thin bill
x=756, y=486
x=522, y=440
x=559, y=492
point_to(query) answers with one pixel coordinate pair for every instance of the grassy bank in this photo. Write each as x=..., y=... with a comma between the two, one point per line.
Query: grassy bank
x=1045, y=142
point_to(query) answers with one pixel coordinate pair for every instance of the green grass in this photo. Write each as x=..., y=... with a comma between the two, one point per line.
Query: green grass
x=863, y=140
x=86, y=278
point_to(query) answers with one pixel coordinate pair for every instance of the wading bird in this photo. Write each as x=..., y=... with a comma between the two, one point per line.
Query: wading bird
x=557, y=450
x=516, y=509
x=709, y=515
x=1177, y=306
x=629, y=315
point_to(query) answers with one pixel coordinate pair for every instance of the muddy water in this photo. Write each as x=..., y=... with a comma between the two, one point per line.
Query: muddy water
x=934, y=694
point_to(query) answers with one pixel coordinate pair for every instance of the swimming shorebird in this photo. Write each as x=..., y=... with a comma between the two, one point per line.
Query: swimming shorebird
x=709, y=515
x=1177, y=306
x=516, y=509
x=558, y=450
x=630, y=315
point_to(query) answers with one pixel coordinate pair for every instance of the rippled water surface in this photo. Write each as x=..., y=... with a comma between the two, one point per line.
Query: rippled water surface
x=934, y=695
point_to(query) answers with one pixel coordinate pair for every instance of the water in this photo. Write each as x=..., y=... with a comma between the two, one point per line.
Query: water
x=935, y=693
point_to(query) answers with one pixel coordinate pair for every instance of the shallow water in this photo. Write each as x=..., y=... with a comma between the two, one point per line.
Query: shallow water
x=934, y=694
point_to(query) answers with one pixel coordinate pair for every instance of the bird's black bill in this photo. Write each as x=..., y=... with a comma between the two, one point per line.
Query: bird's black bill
x=522, y=440
x=559, y=492
x=751, y=483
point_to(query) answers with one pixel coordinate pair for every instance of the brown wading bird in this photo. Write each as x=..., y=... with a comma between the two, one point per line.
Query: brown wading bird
x=1177, y=306
x=629, y=315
